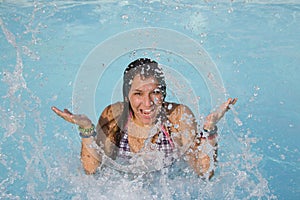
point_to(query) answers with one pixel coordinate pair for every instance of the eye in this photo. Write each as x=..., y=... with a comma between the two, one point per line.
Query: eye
x=137, y=94
x=157, y=91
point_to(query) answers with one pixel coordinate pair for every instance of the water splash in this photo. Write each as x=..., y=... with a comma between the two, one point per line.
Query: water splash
x=22, y=105
x=50, y=169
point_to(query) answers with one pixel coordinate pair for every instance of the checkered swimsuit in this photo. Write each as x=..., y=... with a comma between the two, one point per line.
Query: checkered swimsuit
x=164, y=143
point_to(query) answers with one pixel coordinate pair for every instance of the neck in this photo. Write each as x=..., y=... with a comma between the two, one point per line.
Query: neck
x=138, y=123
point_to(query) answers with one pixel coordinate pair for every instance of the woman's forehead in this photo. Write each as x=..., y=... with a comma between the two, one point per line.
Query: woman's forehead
x=140, y=82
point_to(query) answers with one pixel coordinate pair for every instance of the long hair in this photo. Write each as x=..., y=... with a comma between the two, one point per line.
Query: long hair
x=146, y=68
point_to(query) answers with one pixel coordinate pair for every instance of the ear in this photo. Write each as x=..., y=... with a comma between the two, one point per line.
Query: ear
x=126, y=99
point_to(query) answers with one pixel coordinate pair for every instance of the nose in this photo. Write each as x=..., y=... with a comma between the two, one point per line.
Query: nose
x=148, y=101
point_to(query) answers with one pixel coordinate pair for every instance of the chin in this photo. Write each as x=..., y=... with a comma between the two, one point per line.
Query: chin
x=148, y=122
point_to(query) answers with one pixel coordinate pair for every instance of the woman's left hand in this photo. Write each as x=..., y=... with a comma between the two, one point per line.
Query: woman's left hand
x=212, y=119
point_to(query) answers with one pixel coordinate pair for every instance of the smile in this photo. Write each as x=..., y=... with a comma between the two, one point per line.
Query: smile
x=147, y=113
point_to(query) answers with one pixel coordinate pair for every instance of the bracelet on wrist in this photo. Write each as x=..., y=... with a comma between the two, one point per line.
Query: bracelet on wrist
x=87, y=132
x=211, y=131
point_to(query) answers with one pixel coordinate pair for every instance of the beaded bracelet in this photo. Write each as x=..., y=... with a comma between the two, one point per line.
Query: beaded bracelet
x=87, y=132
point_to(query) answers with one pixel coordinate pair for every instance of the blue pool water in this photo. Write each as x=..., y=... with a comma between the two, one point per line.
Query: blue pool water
x=244, y=49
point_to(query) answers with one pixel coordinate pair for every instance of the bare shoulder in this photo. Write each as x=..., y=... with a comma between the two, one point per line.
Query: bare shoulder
x=107, y=124
x=110, y=115
x=112, y=111
x=182, y=121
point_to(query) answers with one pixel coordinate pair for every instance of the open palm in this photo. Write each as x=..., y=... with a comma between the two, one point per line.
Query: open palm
x=213, y=118
x=78, y=119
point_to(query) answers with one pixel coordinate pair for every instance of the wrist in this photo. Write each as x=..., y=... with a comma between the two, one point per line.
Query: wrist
x=211, y=130
x=86, y=126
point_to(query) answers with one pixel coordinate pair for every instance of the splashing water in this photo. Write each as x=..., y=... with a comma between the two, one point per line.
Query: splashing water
x=42, y=47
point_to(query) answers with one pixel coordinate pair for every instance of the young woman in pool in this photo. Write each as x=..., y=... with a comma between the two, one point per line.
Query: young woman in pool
x=145, y=122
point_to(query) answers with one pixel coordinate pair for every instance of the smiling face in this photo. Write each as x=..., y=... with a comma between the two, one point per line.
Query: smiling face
x=145, y=99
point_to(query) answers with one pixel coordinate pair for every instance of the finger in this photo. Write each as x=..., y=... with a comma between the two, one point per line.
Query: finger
x=229, y=100
x=68, y=112
x=56, y=110
x=67, y=117
x=233, y=101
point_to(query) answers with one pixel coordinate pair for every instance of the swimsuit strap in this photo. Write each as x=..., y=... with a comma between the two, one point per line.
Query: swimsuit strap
x=164, y=130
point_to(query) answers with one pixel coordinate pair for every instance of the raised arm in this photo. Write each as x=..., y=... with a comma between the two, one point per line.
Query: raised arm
x=90, y=158
x=202, y=147
x=187, y=139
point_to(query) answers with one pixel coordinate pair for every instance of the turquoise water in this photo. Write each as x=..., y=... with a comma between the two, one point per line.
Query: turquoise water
x=250, y=47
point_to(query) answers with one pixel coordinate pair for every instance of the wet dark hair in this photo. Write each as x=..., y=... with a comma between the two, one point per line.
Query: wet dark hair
x=146, y=68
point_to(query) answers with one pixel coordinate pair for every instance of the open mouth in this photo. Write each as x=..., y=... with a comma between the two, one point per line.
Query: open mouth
x=149, y=113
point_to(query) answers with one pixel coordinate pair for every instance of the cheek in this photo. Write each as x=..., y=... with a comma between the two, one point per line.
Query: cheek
x=134, y=102
x=157, y=99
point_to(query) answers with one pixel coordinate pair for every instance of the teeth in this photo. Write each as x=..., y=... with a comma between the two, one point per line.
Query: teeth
x=146, y=112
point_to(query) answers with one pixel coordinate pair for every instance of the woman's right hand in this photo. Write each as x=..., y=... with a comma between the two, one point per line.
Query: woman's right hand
x=80, y=120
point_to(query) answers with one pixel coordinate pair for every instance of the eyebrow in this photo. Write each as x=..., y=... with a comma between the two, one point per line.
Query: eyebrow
x=140, y=90
x=137, y=90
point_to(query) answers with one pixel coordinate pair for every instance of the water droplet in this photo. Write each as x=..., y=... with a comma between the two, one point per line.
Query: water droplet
x=230, y=10
x=282, y=157
x=238, y=121
x=124, y=17
x=256, y=88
